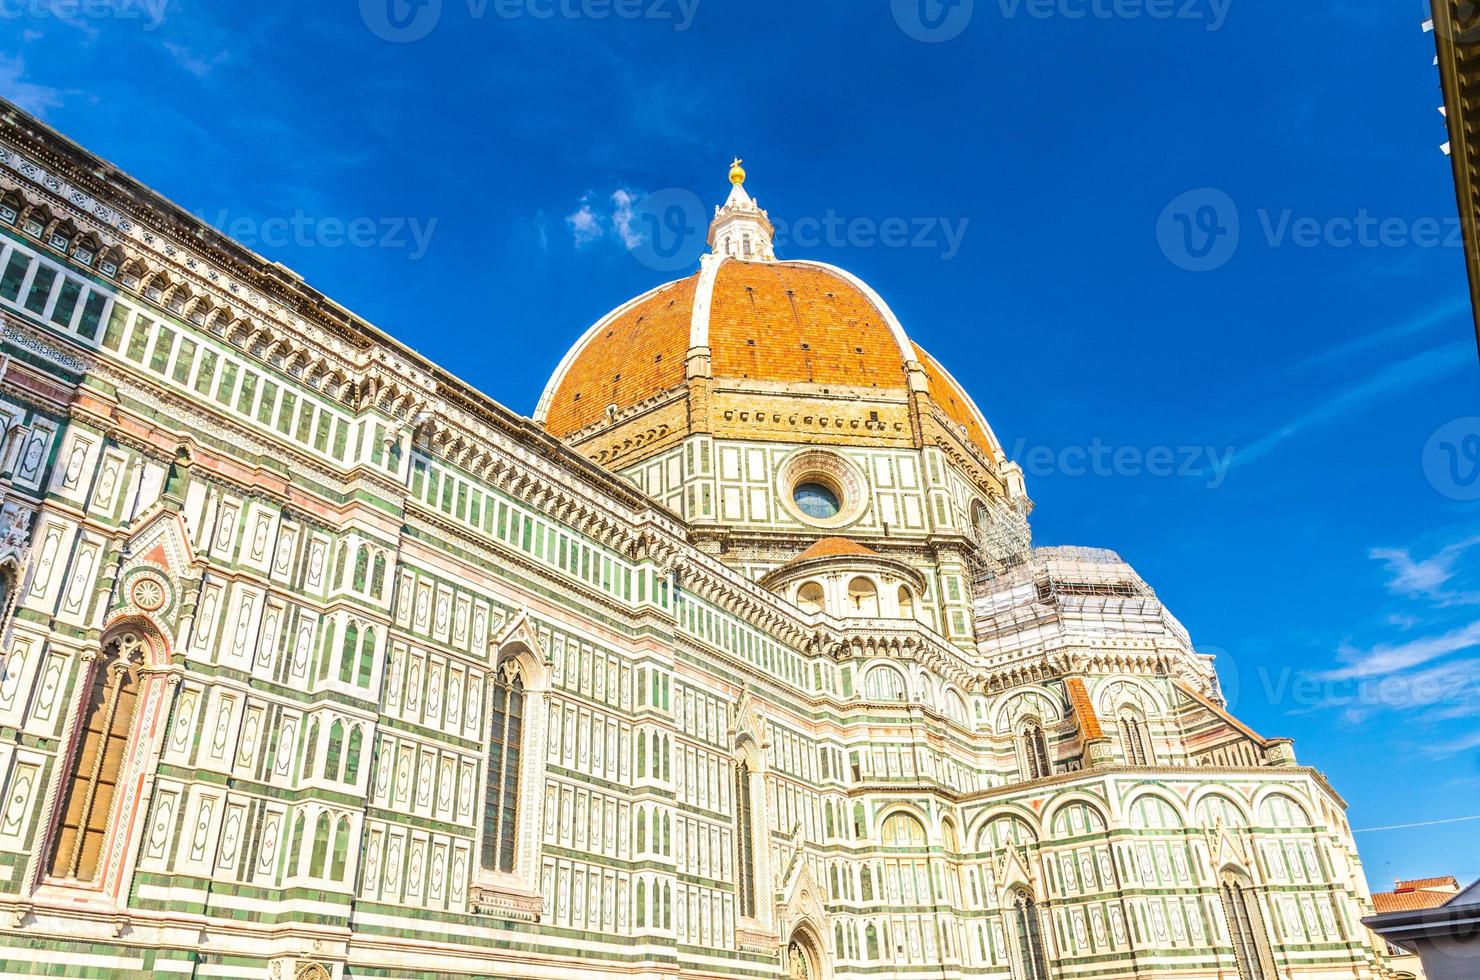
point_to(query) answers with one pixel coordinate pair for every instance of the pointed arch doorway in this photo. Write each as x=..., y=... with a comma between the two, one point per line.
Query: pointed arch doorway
x=804, y=957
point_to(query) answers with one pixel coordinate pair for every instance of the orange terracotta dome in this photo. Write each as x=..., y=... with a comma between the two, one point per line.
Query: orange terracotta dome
x=755, y=348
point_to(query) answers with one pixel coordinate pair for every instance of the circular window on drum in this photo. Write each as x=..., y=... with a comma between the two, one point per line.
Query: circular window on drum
x=817, y=501
x=822, y=489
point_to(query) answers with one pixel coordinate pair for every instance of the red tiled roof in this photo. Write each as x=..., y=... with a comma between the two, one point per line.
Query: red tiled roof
x=953, y=401
x=1084, y=709
x=774, y=322
x=831, y=547
x=1410, y=900
x=637, y=355
x=1448, y=881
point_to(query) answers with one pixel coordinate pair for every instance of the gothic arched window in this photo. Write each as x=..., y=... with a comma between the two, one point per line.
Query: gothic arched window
x=348, y=653
x=352, y=757
x=1029, y=936
x=99, y=750
x=501, y=790
x=327, y=653
x=1035, y=751
x=7, y=593
x=320, y=846
x=335, y=750
x=341, y=849
x=377, y=574
x=1245, y=926
x=745, y=840
x=1133, y=739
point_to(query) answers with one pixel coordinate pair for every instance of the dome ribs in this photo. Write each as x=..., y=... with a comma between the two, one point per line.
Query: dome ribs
x=637, y=355
x=796, y=351
x=810, y=324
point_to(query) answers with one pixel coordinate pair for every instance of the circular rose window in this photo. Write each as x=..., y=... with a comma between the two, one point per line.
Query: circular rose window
x=822, y=488
x=148, y=594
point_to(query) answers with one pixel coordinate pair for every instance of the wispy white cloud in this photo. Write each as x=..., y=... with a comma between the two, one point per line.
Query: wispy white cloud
x=34, y=98
x=1403, y=621
x=1389, y=658
x=622, y=202
x=585, y=225
x=542, y=231
x=615, y=214
x=197, y=65
x=1444, y=312
x=1427, y=578
x=1387, y=381
x=1462, y=744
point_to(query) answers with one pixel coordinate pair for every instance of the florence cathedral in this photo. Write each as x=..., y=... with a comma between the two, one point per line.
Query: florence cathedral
x=736, y=660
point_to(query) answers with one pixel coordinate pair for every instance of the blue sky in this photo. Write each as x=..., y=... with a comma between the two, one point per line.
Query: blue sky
x=1141, y=241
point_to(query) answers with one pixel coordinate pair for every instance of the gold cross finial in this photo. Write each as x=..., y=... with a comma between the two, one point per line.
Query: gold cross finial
x=737, y=172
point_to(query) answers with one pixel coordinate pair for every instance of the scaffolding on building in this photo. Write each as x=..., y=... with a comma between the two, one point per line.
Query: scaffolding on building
x=1090, y=591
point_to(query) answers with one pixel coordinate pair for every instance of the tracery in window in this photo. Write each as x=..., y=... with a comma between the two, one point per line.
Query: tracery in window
x=745, y=840
x=501, y=788
x=1027, y=931
x=901, y=829
x=93, y=770
x=1134, y=743
x=1035, y=751
x=1245, y=925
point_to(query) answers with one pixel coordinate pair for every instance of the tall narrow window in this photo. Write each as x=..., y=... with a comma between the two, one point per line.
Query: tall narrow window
x=1245, y=926
x=348, y=653
x=295, y=845
x=101, y=748
x=501, y=792
x=320, y=846
x=1029, y=937
x=1133, y=739
x=367, y=659
x=745, y=840
x=377, y=575
x=335, y=750
x=1035, y=751
x=352, y=757
x=341, y=849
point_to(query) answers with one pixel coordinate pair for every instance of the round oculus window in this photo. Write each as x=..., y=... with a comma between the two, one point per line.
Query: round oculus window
x=816, y=501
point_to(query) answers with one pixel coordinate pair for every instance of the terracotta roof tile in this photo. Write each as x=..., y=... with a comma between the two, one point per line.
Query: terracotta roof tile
x=1447, y=881
x=953, y=401
x=1410, y=901
x=830, y=547
x=636, y=356
x=777, y=322
x=1084, y=709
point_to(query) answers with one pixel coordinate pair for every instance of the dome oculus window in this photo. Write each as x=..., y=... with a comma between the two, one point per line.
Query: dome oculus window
x=816, y=501
x=821, y=488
